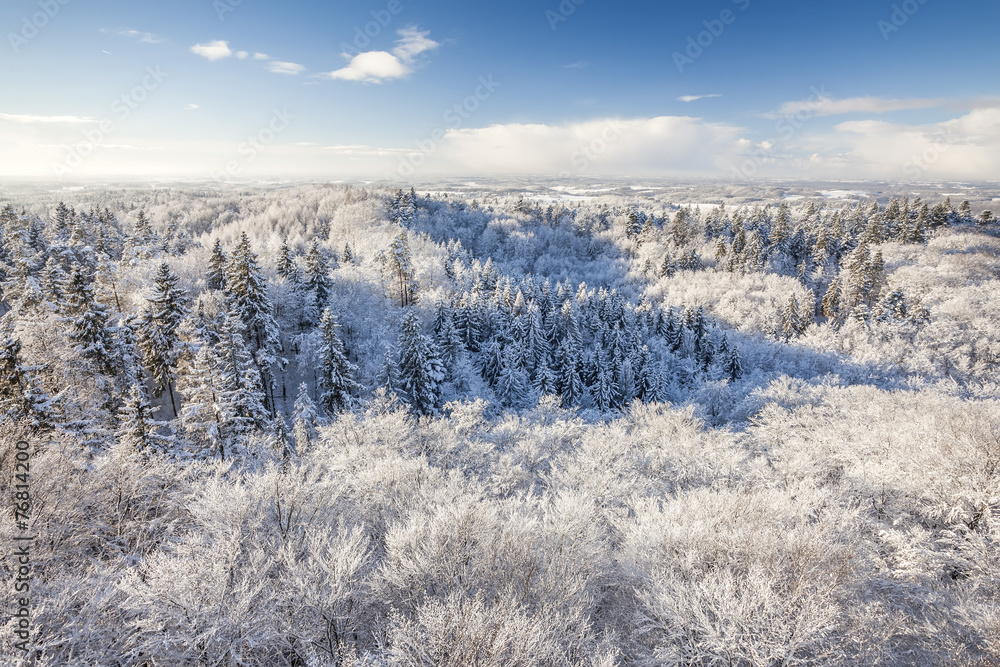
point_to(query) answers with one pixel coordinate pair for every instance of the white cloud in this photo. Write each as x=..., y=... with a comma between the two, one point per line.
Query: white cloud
x=30, y=118
x=260, y=56
x=580, y=64
x=379, y=66
x=695, y=98
x=191, y=107
x=647, y=146
x=825, y=106
x=412, y=43
x=242, y=55
x=145, y=37
x=967, y=147
x=279, y=67
x=214, y=50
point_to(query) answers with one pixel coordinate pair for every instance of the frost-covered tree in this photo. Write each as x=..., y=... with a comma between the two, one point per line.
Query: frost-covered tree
x=20, y=398
x=137, y=429
x=203, y=413
x=420, y=370
x=247, y=288
x=793, y=319
x=336, y=385
x=316, y=276
x=399, y=265
x=242, y=399
x=88, y=320
x=158, y=333
x=217, y=266
x=305, y=418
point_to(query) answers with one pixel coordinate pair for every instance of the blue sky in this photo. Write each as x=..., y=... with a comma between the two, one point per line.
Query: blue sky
x=736, y=89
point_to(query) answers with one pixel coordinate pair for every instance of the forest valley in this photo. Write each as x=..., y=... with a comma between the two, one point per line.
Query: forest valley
x=345, y=425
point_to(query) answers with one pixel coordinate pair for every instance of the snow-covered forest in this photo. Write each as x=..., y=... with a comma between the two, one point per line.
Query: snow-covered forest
x=348, y=425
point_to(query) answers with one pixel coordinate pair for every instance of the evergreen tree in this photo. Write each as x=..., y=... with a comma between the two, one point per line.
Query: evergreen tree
x=831, y=299
x=648, y=385
x=605, y=390
x=512, y=381
x=159, y=339
x=544, y=382
x=336, y=373
x=240, y=395
x=734, y=368
x=217, y=266
x=136, y=428
x=286, y=265
x=304, y=420
x=246, y=287
x=203, y=412
x=792, y=321
x=388, y=374
x=348, y=254
x=317, y=275
x=570, y=381
x=420, y=369
x=88, y=319
x=19, y=397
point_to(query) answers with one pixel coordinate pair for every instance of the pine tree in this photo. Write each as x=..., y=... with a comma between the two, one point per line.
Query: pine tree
x=203, y=412
x=348, y=254
x=240, y=395
x=217, y=266
x=19, y=397
x=286, y=265
x=965, y=211
x=831, y=299
x=304, y=420
x=570, y=381
x=248, y=291
x=317, y=275
x=512, y=382
x=420, y=369
x=88, y=319
x=734, y=368
x=158, y=339
x=136, y=428
x=336, y=373
x=792, y=321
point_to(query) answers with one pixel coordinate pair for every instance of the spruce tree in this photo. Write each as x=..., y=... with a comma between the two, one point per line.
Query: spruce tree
x=158, y=338
x=286, y=265
x=202, y=414
x=336, y=373
x=217, y=266
x=248, y=290
x=19, y=397
x=317, y=275
x=420, y=370
x=792, y=321
x=512, y=381
x=734, y=368
x=136, y=427
x=304, y=420
x=240, y=395
x=570, y=381
x=88, y=320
